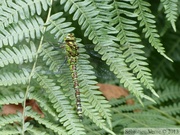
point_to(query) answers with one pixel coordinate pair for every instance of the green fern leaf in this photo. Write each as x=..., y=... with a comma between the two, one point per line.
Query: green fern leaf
x=88, y=111
x=161, y=67
x=87, y=83
x=138, y=64
x=10, y=119
x=51, y=57
x=43, y=102
x=28, y=28
x=146, y=19
x=18, y=56
x=58, y=27
x=172, y=109
x=61, y=104
x=151, y=115
x=81, y=12
x=130, y=41
x=143, y=119
x=12, y=99
x=12, y=10
x=59, y=129
x=94, y=31
x=170, y=88
x=171, y=9
x=8, y=78
x=35, y=131
x=11, y=131
x=116, y=60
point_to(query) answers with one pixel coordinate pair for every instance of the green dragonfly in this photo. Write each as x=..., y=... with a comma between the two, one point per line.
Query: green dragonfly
x=72, y=56
x=71, y=52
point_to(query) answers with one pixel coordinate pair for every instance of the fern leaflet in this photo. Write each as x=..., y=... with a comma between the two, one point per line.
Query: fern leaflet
x=171, y=8
x=146, y=19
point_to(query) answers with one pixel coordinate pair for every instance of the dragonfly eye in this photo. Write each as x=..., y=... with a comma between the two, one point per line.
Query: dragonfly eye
x=70, y=37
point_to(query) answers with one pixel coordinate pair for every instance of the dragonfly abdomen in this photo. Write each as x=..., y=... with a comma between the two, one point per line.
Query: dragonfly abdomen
x=72, y=54
x=77, y=94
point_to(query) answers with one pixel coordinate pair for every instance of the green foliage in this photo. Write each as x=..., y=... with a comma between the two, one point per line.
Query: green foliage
x=33, y=68
x=171, y=9
x=162, y=114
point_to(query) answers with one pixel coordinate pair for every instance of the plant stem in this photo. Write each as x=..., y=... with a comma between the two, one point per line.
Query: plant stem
x=33, y=70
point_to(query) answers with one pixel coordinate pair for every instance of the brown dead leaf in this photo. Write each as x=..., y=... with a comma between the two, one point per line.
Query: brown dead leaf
x=13, y=109
x=112, y=91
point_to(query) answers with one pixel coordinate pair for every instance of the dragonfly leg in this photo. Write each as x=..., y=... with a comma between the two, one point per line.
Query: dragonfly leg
x=59, y=69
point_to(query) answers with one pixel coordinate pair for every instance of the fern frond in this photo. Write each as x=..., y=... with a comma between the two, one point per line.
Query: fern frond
x=102, y=8
x=171, y=8
x=29, y=28
x=99, y=36
x=50, y=56
x=115, y=102
x=34, y=131
x=170, y=88
x=92, y=128
x=146, y=19
x=131, y=108
x=161, y=67
x=12, y=10
x=57, y=26
x=43, y=102
x=124, y=24
x=61, y=104
x=10, y=119
x=81, y=12
x=59, y=129
x=12, y=99
x=88, y=111
x=9, y=130
x=87, y=83
x=143, y=118
x=17, y=55
x=117, y=60
x=93, y=29
x=171, y=109
x=162, y=114
x=134, y=55
x=9, y=78
x=131, y=43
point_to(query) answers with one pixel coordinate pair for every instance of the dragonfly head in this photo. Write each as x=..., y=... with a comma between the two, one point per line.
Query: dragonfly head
x=70, y=37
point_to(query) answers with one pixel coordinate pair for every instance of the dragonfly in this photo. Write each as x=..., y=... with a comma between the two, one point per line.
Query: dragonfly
x=71, y=52
x=72, y=57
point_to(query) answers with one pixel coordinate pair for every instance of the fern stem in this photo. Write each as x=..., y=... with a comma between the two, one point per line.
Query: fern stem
x=33, y=70
x=165, y=114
